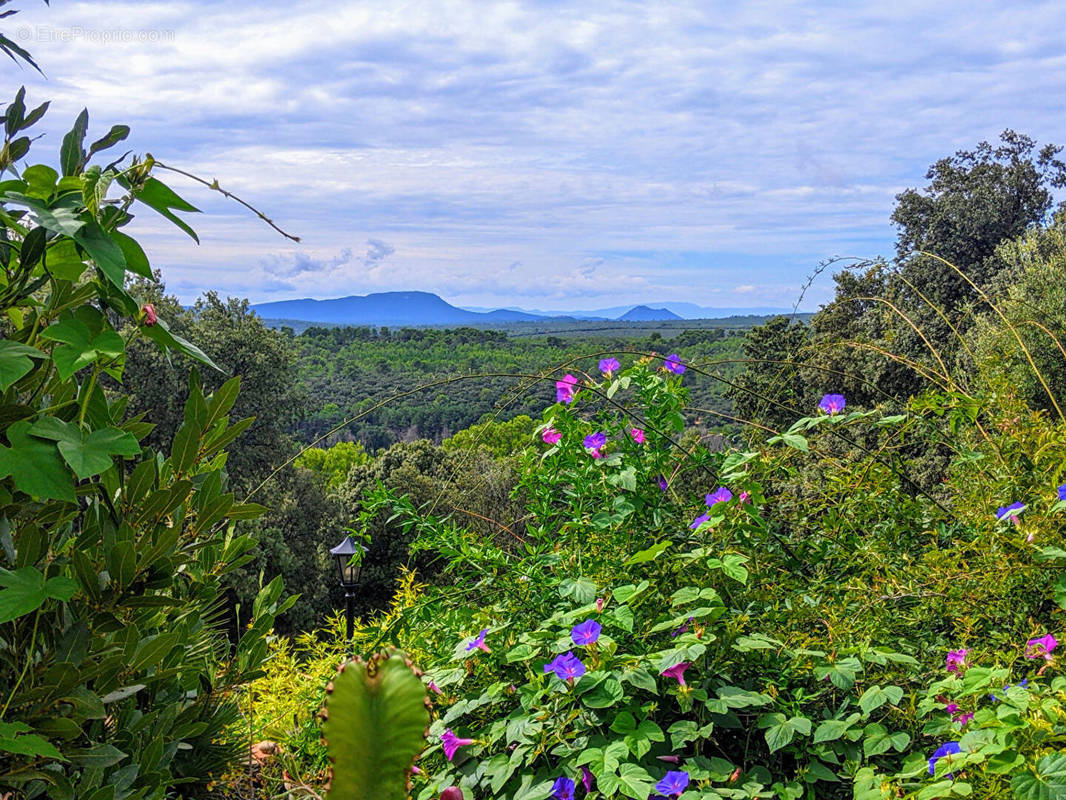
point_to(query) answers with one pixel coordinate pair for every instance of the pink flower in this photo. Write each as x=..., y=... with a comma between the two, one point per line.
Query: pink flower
x=638, y=435
x=565, y=389
x=551, y=436
x=150, y=317
x=956, y=660
x=963, y=719
x=451, y=743
x=677, y=671
x=599, y=605
x=452, y=793
x=1041, y=646
x=744, y=497
x=434, y=688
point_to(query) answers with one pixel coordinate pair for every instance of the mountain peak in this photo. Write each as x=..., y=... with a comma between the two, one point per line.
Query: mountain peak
x=647, y=314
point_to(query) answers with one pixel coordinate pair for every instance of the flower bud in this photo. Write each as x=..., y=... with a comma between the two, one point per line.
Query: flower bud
x=452, y=793
x=150, y=317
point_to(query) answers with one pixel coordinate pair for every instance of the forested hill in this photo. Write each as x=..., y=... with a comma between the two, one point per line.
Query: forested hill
x=348, y=371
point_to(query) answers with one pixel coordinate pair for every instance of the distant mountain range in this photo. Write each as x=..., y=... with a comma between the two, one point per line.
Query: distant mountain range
x=425, y=308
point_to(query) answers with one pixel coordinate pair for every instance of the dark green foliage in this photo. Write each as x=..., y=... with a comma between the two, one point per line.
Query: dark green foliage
x=350, y=372
x=770, y=390
x=117, y=676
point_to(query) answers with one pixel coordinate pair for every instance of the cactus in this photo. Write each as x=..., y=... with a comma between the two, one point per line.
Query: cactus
x=374, y=726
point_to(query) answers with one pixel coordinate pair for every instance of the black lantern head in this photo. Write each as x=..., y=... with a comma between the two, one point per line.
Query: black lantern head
x=342, y=554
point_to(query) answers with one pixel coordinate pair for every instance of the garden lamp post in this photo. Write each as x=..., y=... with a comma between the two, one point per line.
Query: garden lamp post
x=349, y=575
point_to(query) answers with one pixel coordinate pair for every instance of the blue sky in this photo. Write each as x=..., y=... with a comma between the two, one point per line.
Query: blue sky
x=544, y=154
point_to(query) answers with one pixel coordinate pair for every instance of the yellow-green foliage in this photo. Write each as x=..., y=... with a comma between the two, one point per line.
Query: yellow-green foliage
x=333, y=463
x=502, y=438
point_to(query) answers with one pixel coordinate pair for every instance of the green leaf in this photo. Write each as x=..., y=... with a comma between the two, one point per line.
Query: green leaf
x=390, y=702
x=157, y=195
x=113, y=137
x=604, y=694
x=650, y=554
x=623, y=594
x=26, y=590
x=1048, y=783
x=635, y=779
x=98, y=756
x=87, y=454
x=832, y=729
x=15, y=737
x=35, y=466
x=16, y=360
x=582, y=590
x=107, y=255
x=72, y=154
x=136, y=260
x=732, y=564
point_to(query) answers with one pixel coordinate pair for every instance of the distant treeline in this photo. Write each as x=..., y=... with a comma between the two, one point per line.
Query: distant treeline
x=469, y=373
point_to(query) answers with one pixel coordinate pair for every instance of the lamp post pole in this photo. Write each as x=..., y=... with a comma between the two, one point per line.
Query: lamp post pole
x=349, y=558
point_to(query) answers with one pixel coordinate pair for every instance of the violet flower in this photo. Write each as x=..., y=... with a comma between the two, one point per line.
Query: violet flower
x=674, y=783
x=832, y=403
x=609, y=365
x=451, y=743
x=663, y=484
x=956, y=660
x=699, y=521
x=1012, y=511
x=567, y=666
x=677, y=671
x=565, y=389
x=586, y=778
x=719, y=495
x=594, y=441
x=588, y=632
x=946, y=749
x=563, y=789
x=674, y=364
x=682, y=629
x=1062, y=492
x=479, y=642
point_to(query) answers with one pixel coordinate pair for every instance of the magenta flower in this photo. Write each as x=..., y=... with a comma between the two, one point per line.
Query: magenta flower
x=609, y=365
x=451, y=743
x=832, y=403
x=586, y=778
x=952, y=708
x=674, y=783
x=963, y=719
x=674, y=364
x=1041, y=647
x=699, y=521
x=434, y=688
x=565, y=389
x=744, y=497
x=586, y=633
x=1012, y=511
x=719, y=495
x=551, y=436
x=956, y=660
x=452, y=793
x=663, y=484
x=479, y=642
x=677, y=671
x=638, y=435
x=567, y=667
x=563, y=789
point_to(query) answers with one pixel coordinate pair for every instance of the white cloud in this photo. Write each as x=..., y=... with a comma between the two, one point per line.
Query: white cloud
x=441, y=142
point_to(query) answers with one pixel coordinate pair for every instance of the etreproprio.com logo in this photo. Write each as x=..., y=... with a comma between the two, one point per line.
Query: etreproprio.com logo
x=48, y=33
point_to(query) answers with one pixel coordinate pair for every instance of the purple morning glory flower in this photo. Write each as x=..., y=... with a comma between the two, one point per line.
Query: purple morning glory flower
x=563, y=789
x=832, y=403
x=567, y=667
x=956, y=660
x=674, y=364
x=1012, y=511
x=674, y=783
x=594, y=441
x=677, y=671
x=586, y=778
x=1041, y=647
x=479, y=642
x=663, y=484
x=609, y=365
x=946, y=749
x=565, y=389
x=719, y=495
x=450, y=742
x=682, y=629
x=699, y=521
x=586, y=633
x=1062, y=492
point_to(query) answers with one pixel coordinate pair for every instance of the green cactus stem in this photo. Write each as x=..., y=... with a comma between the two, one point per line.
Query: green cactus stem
x=375, y=726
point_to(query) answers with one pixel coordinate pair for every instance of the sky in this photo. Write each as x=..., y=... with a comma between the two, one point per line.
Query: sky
x=547, y=155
